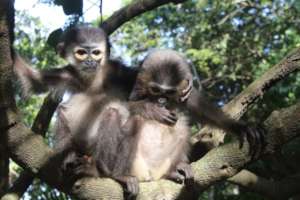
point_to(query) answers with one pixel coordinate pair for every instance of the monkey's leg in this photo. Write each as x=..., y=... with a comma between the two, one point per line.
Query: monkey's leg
x=125, y=158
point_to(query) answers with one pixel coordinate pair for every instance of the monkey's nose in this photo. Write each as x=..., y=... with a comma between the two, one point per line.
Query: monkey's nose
x=91, y=63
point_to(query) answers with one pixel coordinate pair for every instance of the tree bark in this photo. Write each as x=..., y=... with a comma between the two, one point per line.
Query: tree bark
x=40, y=126
x=6, y=38
x=132, y=10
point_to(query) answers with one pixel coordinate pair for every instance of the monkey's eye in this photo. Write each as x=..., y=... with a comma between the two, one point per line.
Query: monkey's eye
x=155, y=90
x=81, y=54
x=96, y=54
x=170, y=92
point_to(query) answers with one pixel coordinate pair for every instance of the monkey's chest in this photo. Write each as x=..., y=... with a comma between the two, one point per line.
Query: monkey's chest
x=158, y=148
x=84, y=113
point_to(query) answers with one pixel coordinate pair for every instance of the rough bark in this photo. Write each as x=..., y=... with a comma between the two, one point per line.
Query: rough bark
x=6, y=36
x=132, y=10
x=40, y=126
x=277, y=190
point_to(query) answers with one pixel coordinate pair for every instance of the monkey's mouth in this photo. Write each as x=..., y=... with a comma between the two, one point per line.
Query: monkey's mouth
x=162, y=101
x=90, y=65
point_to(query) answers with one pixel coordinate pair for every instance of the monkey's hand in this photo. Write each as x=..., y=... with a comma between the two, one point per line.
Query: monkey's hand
x=76, y=166
x=254, y=135
x=182, y=174
x=186, y=92
x=129, y=183
x=153, y=111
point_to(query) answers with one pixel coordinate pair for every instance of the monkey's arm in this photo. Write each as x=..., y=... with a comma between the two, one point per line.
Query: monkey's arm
x=204, y=111
x=39, y=81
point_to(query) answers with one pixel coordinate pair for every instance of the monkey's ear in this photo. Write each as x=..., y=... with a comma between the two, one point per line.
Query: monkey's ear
x=60, y=49
x=133, y=95
x=137, y=93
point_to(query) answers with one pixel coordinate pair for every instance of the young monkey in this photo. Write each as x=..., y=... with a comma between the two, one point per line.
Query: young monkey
x=161, y=150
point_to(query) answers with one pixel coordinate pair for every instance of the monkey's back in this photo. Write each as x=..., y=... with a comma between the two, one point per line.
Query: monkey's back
x=159, y=148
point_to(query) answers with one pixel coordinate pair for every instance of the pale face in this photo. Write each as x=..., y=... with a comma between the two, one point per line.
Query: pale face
x=87, y=56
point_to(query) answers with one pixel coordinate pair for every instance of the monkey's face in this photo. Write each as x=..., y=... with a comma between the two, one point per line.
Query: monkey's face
x=87, y=57
x=165, y=93
x=86, y=48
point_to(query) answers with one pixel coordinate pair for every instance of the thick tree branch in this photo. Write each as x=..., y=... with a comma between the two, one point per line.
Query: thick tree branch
x=132, y=10
x=6, y=37
x=30, y=152
x=40, y=126
x=277, y=190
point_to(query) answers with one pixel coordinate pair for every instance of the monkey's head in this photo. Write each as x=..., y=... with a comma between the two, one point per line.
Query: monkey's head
x=86, y=48
x=163, y=76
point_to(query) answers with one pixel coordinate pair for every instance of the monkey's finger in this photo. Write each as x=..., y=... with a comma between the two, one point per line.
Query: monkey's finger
x=260, y=139
x=241, y=139
x=186, y=93
x=254, y=142
x=186, y=96
x=171, y=118
x=189, y=87
x=132, y=186
x=252, y=139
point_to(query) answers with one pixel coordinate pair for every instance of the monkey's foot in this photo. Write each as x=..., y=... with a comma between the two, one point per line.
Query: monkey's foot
x=80, y=166
x=183, y=174
x=130, y=185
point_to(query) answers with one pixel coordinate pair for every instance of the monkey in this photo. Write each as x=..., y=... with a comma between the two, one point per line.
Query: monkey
x=162, y=150
x=167, y=70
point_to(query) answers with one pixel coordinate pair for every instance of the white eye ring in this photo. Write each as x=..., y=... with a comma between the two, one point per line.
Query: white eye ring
x=96, y=54
x=80, y=54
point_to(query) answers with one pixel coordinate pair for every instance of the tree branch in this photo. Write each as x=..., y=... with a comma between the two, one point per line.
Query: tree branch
x=132, y=10
x=40, y=126
x=220, y=163
x=238, y=106
x=277, y=190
